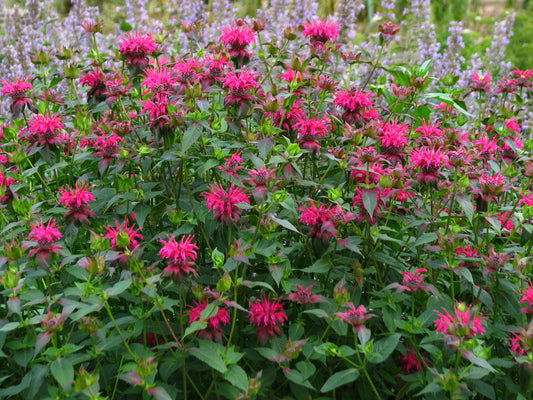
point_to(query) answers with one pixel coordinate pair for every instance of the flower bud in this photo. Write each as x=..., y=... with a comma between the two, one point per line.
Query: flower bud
x=218, y=258
x=279, y=196
x=341, y=293
x=224, y=284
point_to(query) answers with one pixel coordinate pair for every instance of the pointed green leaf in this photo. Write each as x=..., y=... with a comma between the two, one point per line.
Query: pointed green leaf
x=63, y=371
x=339, y=379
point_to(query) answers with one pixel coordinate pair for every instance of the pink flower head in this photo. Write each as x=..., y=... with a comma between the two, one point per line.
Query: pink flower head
x=159, y=80
x=388, y=30
x=522, y=342
x=413, y=282
x=526, y=200
x=78, y=202
x=310, y=130
x=492, y=186
x=232, y=164
x=19, y=93
x=260, y=178
x=95, y=79
x=266, y=314
x=44, y=130
x=188, y=70
x=240, y=83
x=481, y=82
x=321, y=31
x=320, y=220
x=41, y=240
x=136, y=47
x=214, y=322
x=304, y=296
x=182, y=256
x=108, y=147
x=523, y=78
x=463, y=324
x=467, y=252
x=356, y=317
x=353, y=100
x=393, y=138
x=224, y=203
x=430, y=132
x=123, y=237
x=527, y=298
x=237, y=37
x=507, y=85
x=485, y=147
x=430, y=161
x=410, y=362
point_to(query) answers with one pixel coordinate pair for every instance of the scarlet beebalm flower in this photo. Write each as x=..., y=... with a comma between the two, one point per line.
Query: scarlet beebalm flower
x=523, y=78
x=492, y=186
x=19, y=93
x=260, y=178
x=182, y=256
x=232, y=164
x=522, y=342
x=215, y=322
x=388, y=30
x=136, y=47
x=430, y=161
x=224, y=203
x=462, y=325
x=41, y=241
x=304, y=296
x=123, y=237
x=309, y=131
x=266, y=314
x=527, y=298
x=356, y=317
x=44, y=130
x=77, y=200
x=481, y=82
x=237, y=38
x=321, y=31
x=410, y=362
x=413, y=282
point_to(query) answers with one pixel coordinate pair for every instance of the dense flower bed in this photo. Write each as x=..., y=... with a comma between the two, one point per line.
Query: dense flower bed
x=251, y=224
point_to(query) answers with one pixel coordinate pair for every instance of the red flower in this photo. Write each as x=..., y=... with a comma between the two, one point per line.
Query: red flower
x=320, y=220
x=136, y=47
x=18, y=91
x=463, y=324
x=523, y=78
x=260, y=178
x=321, y=31
x=410, y=361
x=356, y=317
x=237, y=38
x=108, y=147
x=310, y=130
x=123, y=237
x=357, y=105
x=96, y=80
x=44, y=130
x=159, y=80
x=266, y=314
x=429, y=161
x=413, y=282
x=41, y=240
x=527, y=297
x=492, y=186
x=214, y=322
x=77, y=200
x=232, y=164
x=388, y=30
x=224, y=203
x=304, y=296
x=182, y=256
x=430, y=132
x=481, y=83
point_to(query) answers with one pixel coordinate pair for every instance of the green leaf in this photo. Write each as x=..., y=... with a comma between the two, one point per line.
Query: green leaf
x=118, y=288
x=339, y=379
x=158, y=393
x=208, y=352
x=321, y=266
x=195, y=326
x=480, y=362
x=191, y=135
x=269, y=354
x=297, y=377
x=141, y=212
x=125, y=26
x=63, y=371
x=237, y=377
x=284, y=223
x=13, y=390
x=384, y=348
x=320, y=313
x=426, y=238
x=370, y=200
x=465, y=202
